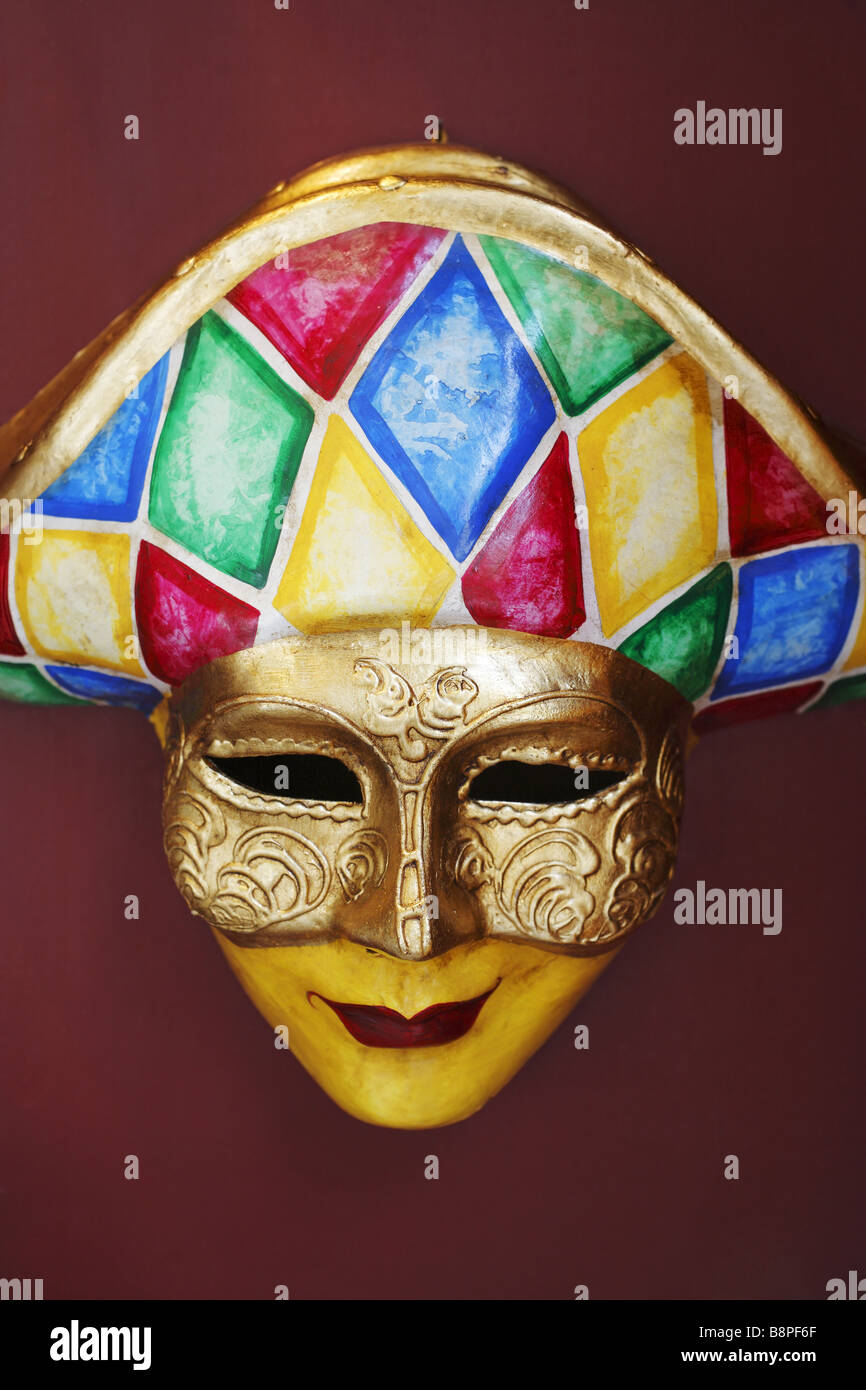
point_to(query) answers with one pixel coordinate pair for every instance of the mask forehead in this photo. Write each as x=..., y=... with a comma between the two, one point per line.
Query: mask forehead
x=472, y=672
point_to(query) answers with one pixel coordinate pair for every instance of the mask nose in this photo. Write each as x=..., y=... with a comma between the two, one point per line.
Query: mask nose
x=417, y=907
x=419, y=931
x=401, y=916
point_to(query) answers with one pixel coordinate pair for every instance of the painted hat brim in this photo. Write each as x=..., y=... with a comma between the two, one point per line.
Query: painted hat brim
x=432, y=185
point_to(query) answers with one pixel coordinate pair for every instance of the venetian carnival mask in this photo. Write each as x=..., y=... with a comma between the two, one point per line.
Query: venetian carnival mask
x=429, y=523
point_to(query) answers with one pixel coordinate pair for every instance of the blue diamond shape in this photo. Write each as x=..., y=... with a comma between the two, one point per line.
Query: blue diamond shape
x=453, y=402
x=104, y=483
x=795, y=610
x=99, y=685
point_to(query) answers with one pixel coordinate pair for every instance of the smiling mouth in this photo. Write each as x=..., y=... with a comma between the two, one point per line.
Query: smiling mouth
x=375, y=1026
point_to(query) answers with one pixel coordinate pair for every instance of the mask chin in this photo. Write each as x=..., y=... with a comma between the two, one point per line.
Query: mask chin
x=529, y=993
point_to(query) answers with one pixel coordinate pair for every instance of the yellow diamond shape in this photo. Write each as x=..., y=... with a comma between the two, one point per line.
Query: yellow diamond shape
x=358, y=560
x=73, y=594
x=647, y=465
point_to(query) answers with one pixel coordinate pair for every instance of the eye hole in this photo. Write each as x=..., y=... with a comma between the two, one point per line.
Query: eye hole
x=546, y=784
x=296, y=776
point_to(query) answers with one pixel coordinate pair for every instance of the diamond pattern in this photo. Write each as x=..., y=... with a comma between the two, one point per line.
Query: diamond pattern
x=106, y=481
x=319, y=304
x=588, y=337
x=389, y=572
x=647, y=464
x=794, y=613
x=111, y=690
x=228, y=453
x=452, y=460
x=453, y=402
x=528, y=577
x=787, y=700
x=25, y=684
x=684, y=641
x=184, y=620
x=73, y=596
x=770, y=504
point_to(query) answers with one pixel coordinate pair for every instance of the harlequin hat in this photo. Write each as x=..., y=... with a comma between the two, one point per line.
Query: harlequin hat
x=441, y=395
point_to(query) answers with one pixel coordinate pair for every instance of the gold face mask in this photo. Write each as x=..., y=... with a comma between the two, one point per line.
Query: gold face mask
x=439, y=816
x=428, y=521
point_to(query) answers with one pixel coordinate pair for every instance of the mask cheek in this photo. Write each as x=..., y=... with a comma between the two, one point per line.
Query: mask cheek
x=532, y=885
x=361, y=861
x=552, y=883
x=265, y=872
x=241, y=870
x=645, y=842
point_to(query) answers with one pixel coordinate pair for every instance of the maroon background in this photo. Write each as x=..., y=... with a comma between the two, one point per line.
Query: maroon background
x=600, y=1167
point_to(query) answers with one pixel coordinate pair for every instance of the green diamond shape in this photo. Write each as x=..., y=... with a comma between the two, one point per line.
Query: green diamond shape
x=683, y=642
x=27, y=685
x=588, y=337
x=228, y=454
x=850, y=688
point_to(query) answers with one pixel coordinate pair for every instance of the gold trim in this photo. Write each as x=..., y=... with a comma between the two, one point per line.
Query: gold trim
x=430, y=184
x=427, y=866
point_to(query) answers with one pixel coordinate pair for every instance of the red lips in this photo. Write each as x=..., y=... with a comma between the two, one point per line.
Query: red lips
x=379, y=1027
